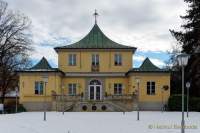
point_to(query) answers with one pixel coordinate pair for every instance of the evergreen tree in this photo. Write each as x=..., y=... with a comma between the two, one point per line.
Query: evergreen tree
x=189, y=39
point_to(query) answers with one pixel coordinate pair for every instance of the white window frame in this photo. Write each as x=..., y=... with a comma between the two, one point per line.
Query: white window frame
x=73, y=89
x=118, y=59
x=40, y=89
x=72, y=60
x=96, y=59
x=151, y=88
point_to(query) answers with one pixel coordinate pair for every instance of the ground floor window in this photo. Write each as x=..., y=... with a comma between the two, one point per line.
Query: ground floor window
x=118, y=89
x=72, y=89
x=39, y=86
x=150, y=88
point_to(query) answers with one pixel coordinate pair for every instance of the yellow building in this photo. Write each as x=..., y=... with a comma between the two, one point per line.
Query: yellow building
x=94, y=74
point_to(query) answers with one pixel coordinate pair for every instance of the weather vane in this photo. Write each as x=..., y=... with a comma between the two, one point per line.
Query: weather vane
x=95, y=16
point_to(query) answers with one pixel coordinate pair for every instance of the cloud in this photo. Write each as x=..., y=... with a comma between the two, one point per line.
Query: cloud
x=140, y=59
x=44, y=51
x=141, y=23
x=157, y=62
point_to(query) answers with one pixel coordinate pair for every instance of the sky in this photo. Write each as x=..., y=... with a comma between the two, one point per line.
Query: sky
x=143, y=24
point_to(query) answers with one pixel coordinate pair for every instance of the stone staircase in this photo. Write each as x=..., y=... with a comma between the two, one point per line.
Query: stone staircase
x=88, y=106
x=106, y=105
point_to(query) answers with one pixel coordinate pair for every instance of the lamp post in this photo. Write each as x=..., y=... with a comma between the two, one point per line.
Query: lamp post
x=63, y=108
x=138, y=94
x=16, y=96
x=162, y=90
x=45, y=81
x=182, y=61
x=188, y=86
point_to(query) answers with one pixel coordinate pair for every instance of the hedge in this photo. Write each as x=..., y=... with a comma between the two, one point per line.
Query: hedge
x=175, y=103
x=11, y=108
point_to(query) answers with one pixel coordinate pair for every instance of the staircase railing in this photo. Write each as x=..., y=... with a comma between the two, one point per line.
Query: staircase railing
x=76, y=98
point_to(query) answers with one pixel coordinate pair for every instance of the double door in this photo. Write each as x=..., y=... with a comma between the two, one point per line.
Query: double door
x=95, y=92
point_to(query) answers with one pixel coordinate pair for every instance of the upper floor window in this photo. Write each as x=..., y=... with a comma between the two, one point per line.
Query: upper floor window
x=95, y=59
x=72, y=60
x=39, y=85
x=118, y=59
x=72, y=89
x=150, y=88
x=118, y=89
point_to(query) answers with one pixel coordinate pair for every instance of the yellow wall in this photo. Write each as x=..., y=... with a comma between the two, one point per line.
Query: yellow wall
x=83, y=61
x=109, y=84
x=80, y=84
x=27, y=86
x=160, y=79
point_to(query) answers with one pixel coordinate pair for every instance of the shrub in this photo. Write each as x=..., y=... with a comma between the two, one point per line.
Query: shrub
x=11, y=108
x=175, y=103
x=198, y=107
x=21, y=108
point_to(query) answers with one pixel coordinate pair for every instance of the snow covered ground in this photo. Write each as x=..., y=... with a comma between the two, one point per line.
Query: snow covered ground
x=98, y=122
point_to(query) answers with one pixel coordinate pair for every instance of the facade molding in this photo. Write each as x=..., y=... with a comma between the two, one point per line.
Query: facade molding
x=85, y=74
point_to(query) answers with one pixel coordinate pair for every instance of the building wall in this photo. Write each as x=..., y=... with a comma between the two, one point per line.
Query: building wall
x=129, y=85
x=27, y=86
x=153, y=102
x=147, y=102
x=83, y=62
x=107, y=84
x=79, y=81
x=110, y=85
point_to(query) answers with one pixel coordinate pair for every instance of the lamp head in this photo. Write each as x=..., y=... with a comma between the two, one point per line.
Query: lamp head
x=16, y=89
x=183, y=59
x=137, y=80
x=188, y=85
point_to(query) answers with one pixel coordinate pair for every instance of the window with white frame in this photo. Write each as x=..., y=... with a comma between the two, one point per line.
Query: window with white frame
x=39, y=86
x=118, y=89
x=118, y=59
x=95, y=59
x=72, y=89
x=72, y=59
x=151, y=88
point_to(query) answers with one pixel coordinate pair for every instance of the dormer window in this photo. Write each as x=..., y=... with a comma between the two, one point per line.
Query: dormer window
x=95, y=60
x=72, y=59
x=118, y=59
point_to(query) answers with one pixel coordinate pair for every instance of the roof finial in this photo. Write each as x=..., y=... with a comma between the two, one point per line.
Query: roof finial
x=95, y=16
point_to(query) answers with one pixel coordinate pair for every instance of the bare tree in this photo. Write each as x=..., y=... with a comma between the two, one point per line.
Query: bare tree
x=15, y=43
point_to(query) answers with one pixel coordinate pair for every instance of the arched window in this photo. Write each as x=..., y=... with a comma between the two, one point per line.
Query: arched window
x=95, y=82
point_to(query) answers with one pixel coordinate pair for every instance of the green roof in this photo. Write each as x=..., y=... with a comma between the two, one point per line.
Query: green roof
x=148, y=66
x=95, y=39
x=43, y=64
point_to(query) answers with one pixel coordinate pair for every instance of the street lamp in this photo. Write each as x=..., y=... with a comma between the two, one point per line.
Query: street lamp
x=16, y=96
x=182, y=61
x=188, y=86
x=45, y=81
x=138, y=94
x=63, y=108
x=162, y=90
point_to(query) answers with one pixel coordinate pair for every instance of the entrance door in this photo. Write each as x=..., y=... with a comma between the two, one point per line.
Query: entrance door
x=92, y=92
x=98, y=93
x=95, y=90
